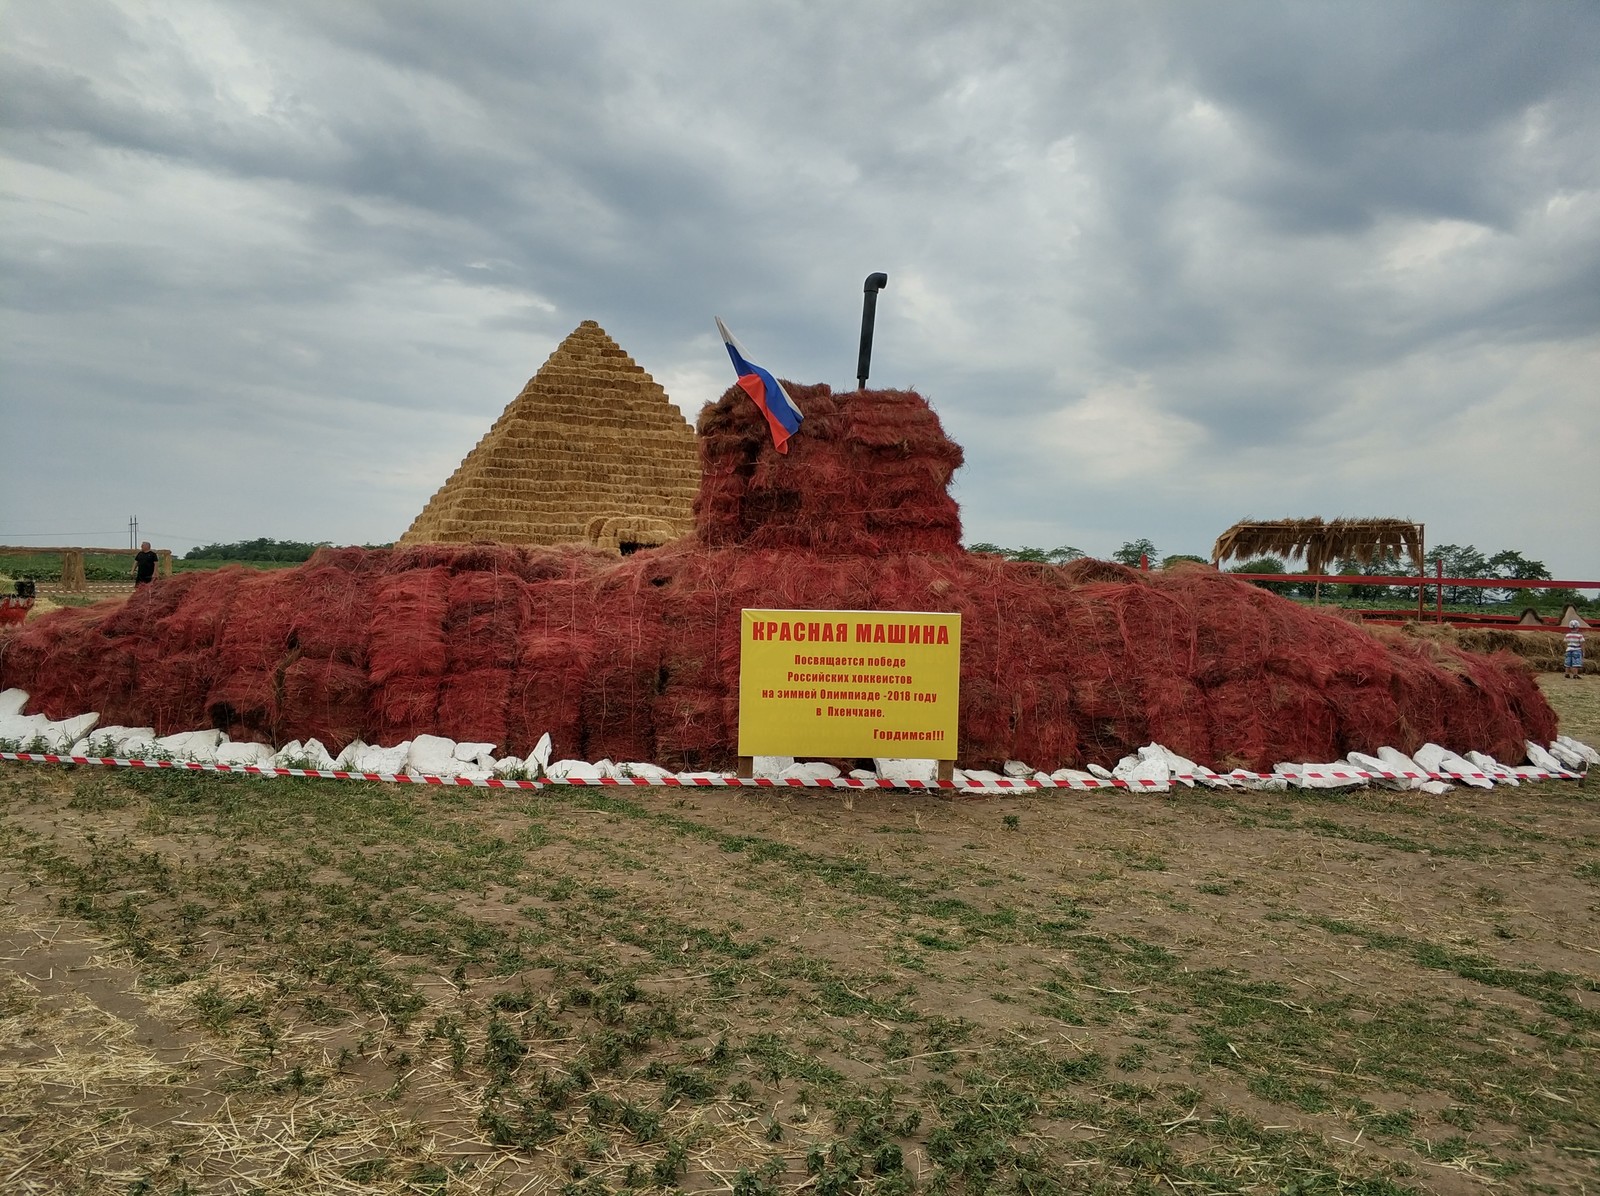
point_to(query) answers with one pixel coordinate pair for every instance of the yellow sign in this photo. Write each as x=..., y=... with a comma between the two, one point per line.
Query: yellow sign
x=849, y=683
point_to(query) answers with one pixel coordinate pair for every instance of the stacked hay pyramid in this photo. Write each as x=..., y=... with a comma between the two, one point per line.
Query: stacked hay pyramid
x=592, y=451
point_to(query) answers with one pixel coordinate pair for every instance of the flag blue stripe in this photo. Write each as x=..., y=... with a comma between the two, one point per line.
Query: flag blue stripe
x=774, y=400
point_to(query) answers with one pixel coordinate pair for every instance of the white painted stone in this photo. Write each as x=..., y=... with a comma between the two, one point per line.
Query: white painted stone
x=1459, y=765
x=186, y=740
x=244, y=755
x=317, y=756
x=1073, y=776
x=1583, y=749
x=1249, y=780
x=12, y=701
x=977, y=776
x=387, y=761
x=1394, y=760
x=539, y=758
x=469, y=752
x=1144, y=776
x=1318, y=776
x=1498, y=771
x=100, y=742
x=1016, y=768
x=198, y=746
x=288, y=756
x=894, y=768
x=22, y=728
x=1182, y=769
x=810, y=770
x=1400, y=762
x=863, y=774
x=507, y=765
x=769, y=766
x=1100, y=771
x=653, y=773
x=78, y=726
x=433, y=756
x=133, y=742
x=1372, y=764
x=1429, y=757
x=1570, y=759
x=572, y=770
x=1540, y=758
x=352, y=751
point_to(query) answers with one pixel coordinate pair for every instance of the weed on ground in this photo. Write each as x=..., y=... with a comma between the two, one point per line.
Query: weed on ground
x=230, y=984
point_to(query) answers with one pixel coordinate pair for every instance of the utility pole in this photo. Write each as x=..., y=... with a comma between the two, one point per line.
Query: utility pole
x=869, y=313
x=133, y=531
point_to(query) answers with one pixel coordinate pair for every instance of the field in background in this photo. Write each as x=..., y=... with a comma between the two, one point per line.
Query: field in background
x=46, y=567
x=283, y=986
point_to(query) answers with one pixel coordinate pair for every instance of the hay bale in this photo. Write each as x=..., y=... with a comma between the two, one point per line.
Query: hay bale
x=866, y=476
x=639, y=657
x=590, y=435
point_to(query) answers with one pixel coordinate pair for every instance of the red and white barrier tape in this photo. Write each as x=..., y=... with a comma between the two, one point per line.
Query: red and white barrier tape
x=1003, y=785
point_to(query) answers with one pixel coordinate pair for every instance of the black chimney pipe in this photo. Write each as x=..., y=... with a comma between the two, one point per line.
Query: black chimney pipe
x=869, y=313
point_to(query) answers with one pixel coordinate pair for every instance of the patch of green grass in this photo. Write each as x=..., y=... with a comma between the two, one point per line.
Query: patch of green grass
x=1548, y=987
x=565, y=980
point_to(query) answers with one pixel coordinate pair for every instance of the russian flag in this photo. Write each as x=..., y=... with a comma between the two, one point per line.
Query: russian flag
x=783, y=417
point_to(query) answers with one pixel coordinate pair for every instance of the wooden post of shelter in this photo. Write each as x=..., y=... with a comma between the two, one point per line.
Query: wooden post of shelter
x=73, y=579
x=1420, y=560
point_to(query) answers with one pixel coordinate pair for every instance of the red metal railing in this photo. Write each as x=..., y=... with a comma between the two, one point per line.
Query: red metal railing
x=1439, y=581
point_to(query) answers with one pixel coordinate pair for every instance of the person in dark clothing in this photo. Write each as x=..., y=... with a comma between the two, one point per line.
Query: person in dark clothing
x=144, y=565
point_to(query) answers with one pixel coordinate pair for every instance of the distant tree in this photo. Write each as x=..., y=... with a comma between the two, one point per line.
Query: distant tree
x=1059, y=555
x=1463, y=561
x=1387, y=565
x=1266, y=564
x=1131, y=552
x=1044, y=556
x=1553, y=599
x=255, y=550
x=1513, y=566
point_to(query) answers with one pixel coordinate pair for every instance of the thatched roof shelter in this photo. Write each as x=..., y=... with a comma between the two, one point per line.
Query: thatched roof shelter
x=1322, y=544
x=592, y=442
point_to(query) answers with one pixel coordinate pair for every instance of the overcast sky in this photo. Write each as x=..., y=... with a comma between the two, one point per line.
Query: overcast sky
x=271, y=269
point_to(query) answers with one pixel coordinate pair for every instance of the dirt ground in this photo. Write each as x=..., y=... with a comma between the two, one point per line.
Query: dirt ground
x=218, y=984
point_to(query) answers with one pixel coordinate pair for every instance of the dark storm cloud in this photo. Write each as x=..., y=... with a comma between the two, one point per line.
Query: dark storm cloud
x=1141, y=257
x=1368, y=109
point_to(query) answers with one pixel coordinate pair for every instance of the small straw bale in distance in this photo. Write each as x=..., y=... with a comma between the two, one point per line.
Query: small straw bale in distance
x=1321, y=544
x=591, y=437
x=638, y=658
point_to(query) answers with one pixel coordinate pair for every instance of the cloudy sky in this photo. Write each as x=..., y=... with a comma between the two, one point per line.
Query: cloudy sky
x=270, y=269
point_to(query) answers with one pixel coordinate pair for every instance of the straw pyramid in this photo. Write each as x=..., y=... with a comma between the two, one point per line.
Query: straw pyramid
x=591, y=450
